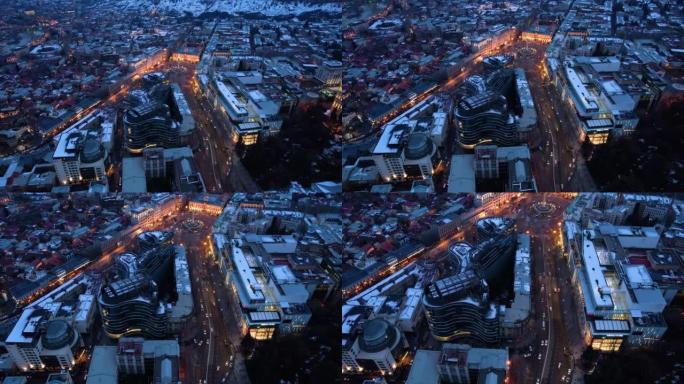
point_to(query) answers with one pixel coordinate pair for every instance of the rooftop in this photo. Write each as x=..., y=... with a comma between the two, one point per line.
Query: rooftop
x=101, y=363
x=599, y=290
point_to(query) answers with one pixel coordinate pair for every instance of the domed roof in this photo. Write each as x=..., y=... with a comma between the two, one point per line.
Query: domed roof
x=58, y=334
x=375, y=330
x=418, y=146
x=92, y=151
x=378, y=334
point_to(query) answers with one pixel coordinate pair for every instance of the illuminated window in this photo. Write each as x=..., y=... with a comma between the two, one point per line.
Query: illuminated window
x=606, y=344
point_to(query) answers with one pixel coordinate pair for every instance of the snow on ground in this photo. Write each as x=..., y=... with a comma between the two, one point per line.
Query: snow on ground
x=266, y=7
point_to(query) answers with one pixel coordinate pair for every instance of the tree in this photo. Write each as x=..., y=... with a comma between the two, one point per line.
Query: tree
x=240, y=148
x=247, y=344
x=295, y=152
x=587, y=148
x=647, y=160
x=589, y=357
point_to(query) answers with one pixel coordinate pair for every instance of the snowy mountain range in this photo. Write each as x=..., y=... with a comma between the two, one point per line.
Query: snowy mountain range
x=266, y=7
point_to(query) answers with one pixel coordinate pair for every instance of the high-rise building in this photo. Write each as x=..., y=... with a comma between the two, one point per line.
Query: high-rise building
x=247, y=105
x=490, y=258
x=404, y=155
x=484, y=119
x=131, y=304
x=377, y=348
x=47, y=334
x=153, y=239
x=408, y=146
x=158, y=116
x=457, y=307
x=485, y=115
x=268, y=302
x=39, y=341
x=494, y=256
x=490, y=227
x=82, y=150
x=399, y=309
x=149, y=125
x=266, y=273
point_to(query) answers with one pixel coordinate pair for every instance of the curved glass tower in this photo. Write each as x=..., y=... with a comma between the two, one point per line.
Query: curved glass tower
x=484, y=119
x=456, y=308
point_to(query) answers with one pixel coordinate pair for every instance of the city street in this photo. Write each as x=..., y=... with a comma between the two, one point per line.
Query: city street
x=552, y=335
x=210, y=341
x=212, y=146
x=550, y=343
x=557, y=163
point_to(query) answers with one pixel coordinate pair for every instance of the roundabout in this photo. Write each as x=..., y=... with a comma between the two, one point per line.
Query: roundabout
x=543, y=208
x=526, y=52
x=192, y=225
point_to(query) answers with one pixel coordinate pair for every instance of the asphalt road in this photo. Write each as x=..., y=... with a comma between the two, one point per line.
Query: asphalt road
x=212, y=337
x=213, y=148
x=550, y=343
x=558, y=165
